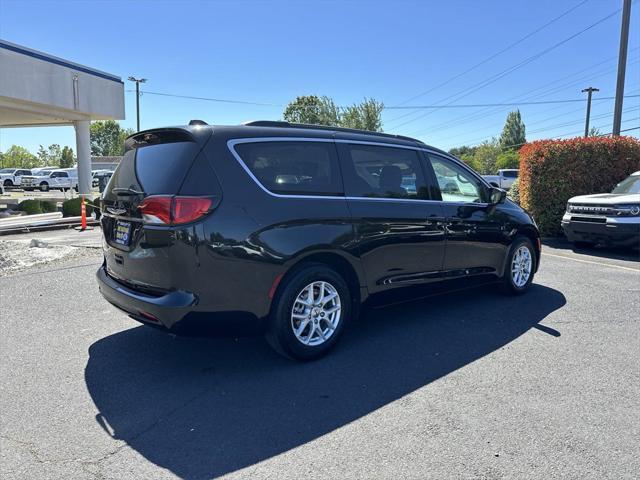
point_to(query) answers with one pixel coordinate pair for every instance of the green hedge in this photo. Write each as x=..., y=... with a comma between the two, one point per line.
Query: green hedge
x=48, y=206
x=552, y=171
x=71, y=208
x=30, y=207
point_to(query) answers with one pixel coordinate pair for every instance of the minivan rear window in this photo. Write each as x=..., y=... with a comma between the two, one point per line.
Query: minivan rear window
x=284, y=167
x=155, y=169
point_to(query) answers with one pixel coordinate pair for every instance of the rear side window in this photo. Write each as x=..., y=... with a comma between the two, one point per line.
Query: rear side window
x=384, y=172
x=510, y=174
x=307, y=168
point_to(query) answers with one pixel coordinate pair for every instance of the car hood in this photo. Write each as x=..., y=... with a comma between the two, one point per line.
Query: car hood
x=606, y=199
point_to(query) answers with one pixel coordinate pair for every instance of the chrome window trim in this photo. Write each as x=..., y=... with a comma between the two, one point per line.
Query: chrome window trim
x=233, y=142
x=378, y=144
x=231, y=146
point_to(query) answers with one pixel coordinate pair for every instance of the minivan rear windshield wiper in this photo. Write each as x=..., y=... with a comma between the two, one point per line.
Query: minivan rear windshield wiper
x=126, y=191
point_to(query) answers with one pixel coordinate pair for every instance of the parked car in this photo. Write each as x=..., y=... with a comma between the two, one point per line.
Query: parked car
x=42, y=170
x=96, y=175
x=32, y=182
x=289, y=228
x=504, y=179
x=12, y=177
x=606, y=218
x=60, y=179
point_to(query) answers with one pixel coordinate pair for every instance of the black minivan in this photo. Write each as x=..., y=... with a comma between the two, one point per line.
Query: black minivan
x=288, y=229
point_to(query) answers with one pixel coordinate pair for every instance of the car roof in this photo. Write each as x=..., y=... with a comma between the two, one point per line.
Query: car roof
x=271, y=128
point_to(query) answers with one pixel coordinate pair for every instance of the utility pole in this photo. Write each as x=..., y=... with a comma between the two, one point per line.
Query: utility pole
x=589, y=91
x=138, y=82
x=622, y=64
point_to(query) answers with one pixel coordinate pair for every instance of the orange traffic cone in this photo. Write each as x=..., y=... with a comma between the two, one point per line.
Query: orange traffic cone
x=83, y=215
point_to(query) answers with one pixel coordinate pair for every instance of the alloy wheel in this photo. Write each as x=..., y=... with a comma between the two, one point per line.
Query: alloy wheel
x=315, y=314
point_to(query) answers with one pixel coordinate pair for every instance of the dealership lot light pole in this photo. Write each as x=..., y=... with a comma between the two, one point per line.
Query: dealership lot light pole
x=138, y=81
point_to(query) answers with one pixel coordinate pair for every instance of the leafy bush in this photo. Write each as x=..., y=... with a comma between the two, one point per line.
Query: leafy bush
x=48, y=206
x=30, y=207
x=552, y=171
x=71, y=208
x=514, y=192
x=508, y=159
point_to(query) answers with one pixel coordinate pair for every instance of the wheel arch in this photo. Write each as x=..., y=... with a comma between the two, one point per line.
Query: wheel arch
x=336, y=261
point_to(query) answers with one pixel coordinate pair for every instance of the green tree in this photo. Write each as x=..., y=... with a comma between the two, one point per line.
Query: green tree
x=461, y=151
x=508, y=159
x=363, y=116
x=594, y=132
x=312, y=110
x=66, y=158
x=19, y=157
x=513, y=133
x=107, y=138
x=486, y=156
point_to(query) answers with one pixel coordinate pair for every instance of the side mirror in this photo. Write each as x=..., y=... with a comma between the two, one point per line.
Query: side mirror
x=497, y=195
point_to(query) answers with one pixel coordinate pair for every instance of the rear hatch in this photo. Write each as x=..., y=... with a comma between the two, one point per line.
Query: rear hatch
x=149, y=198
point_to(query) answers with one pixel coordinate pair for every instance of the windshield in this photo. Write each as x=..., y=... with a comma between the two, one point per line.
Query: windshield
x=628, y=185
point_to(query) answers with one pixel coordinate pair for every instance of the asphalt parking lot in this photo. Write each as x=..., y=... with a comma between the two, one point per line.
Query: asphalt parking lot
x=465, y=385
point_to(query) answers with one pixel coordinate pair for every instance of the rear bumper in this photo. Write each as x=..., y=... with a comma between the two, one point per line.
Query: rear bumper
x=164, y=311
x=615, y=231
x=178, y=311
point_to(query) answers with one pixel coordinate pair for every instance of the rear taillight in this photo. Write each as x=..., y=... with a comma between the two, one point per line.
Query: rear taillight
x=174, y=210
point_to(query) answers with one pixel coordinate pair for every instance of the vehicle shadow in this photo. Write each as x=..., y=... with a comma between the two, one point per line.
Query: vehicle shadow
x=613, y=253
x=205, y=407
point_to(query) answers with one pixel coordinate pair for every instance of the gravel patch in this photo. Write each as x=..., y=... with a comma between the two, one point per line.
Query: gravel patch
x=19, y=255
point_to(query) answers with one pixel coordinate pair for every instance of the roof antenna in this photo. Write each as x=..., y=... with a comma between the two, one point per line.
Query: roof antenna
x=198, y=122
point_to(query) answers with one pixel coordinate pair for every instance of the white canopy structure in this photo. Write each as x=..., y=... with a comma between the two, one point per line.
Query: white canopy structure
x=37, y=89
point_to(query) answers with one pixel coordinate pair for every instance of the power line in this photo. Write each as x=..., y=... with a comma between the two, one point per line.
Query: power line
x=498, y=76
x=484, y=113
x=491, y=57
x=208, y=99
x=512, y=104
x=475, y=105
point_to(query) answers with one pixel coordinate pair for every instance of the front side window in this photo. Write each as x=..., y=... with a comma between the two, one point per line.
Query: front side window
x=306, y=168
x=383, y=172
x=455, y=182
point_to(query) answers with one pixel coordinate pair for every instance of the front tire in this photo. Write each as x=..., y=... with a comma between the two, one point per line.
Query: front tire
x=44, y=187
x=309, y=313
x=519, y=268
x=8, y=183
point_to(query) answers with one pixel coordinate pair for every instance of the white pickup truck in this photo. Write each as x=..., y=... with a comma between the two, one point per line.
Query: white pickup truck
x=504, y=179
x=61, y=179
x=12, y=177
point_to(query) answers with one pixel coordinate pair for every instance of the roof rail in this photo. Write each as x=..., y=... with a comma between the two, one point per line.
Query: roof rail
x=283, y=124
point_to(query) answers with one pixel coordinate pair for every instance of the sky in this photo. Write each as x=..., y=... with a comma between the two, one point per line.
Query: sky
x=403, y=53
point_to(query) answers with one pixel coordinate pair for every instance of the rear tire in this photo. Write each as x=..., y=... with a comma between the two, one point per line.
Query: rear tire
x=305, y=328
x=519, y=268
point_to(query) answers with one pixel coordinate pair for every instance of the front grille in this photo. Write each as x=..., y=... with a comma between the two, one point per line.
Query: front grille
x=578, y=218
x=603, y=210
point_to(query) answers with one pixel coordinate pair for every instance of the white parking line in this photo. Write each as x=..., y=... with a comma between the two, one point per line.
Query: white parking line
x=637, y=270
